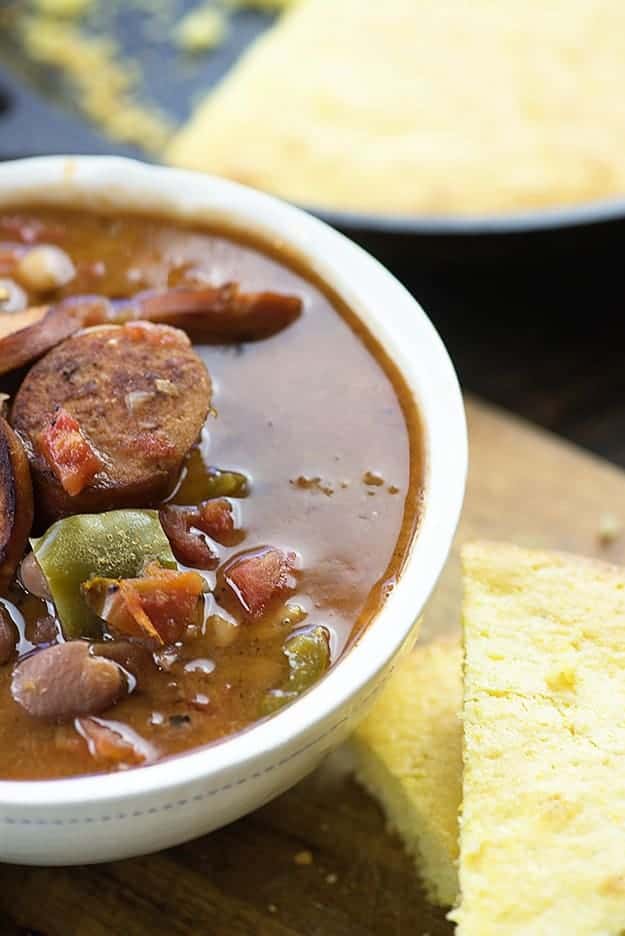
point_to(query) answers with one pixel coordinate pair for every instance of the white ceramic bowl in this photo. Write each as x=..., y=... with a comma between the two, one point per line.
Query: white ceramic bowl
x=122, y=814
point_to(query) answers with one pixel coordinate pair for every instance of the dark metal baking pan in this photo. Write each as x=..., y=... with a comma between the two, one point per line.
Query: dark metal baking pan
x=37, y=116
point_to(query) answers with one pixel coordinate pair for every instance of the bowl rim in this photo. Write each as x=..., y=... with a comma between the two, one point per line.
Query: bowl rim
x=397, y=320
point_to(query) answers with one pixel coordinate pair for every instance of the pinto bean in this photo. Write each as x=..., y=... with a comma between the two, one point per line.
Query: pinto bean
x=44, y=630
x=8, y=636
x=66, y=681
x=45, y=267
x=32, y=577
x=133, y=657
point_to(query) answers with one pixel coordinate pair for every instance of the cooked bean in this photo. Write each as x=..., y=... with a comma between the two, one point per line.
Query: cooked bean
x=66, y=681
x=45, y=267
x=44, y=630
x=33, y=579
x=13, y=299
x=8, y=636
x=133, y=657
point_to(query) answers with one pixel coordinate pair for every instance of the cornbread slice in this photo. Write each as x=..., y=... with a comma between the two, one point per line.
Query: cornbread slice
x=409, y=756
x=542, y=837
x=423, y=107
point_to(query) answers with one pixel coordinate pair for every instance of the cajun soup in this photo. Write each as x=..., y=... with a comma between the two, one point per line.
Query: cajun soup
x=210, y=475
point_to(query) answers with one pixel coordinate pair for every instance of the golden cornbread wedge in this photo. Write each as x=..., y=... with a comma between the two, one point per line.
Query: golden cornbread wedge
x=409, y=757
x=543, y=821
x=423, y=107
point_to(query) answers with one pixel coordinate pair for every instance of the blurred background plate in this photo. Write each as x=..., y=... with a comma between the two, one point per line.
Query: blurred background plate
x=39, y=115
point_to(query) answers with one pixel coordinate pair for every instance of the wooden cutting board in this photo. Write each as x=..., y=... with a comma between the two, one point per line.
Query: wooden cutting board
x=351, y=877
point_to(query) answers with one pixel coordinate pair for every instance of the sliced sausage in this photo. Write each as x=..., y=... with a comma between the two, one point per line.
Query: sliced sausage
x=44, y=328
x=16, y=502
x=66, y=681
x=212, y=314
x=219, y=314
x=108, y=416
x=8, y=636
x=18, y=321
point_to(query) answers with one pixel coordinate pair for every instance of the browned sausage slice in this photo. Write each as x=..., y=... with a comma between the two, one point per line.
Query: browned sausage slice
x=212, y=314
x=44, y=327
x=108, y=416
x=220, y=314
x=16, y=502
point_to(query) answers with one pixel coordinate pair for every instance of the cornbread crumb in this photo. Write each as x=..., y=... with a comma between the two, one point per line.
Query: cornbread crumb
x=408, y=753
x=610, y=528
x=201, y=29
x=105, y=85
x=331, y=878
x=303, y=858
x=69, y=9
x=541, y=833
x=561, y=679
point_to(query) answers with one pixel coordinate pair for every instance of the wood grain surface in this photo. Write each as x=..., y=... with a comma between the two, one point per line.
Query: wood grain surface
x=245, y=880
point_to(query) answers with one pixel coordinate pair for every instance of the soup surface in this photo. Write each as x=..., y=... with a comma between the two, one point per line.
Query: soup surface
x=288, y=520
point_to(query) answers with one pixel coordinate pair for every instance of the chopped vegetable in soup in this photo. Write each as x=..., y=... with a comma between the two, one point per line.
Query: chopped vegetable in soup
x=201, y=450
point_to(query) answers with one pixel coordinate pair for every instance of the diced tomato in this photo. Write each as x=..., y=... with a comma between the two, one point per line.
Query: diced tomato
x=154, y=609
x=256, y=578
x=188, y=547
x=215, y=518
x=71, y=457
x=113, y=743
x=163, y=336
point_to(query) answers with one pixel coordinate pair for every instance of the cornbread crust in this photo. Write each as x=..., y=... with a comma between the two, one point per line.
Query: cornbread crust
x=409, y=757
x=423, y=107
x=541, y=843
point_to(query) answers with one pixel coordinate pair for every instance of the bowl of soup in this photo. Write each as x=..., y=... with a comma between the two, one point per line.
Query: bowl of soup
x=232, y=456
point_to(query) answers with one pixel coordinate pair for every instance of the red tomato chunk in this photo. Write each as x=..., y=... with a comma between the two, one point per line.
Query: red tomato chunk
x=257, y=577
x=69, y=454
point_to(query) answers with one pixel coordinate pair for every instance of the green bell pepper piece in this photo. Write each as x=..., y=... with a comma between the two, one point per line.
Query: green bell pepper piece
x=116, y=544
x=202, y=482
x=308, y=654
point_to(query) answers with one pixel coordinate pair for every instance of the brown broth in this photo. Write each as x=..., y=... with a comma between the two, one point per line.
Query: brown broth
x=320, y=421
